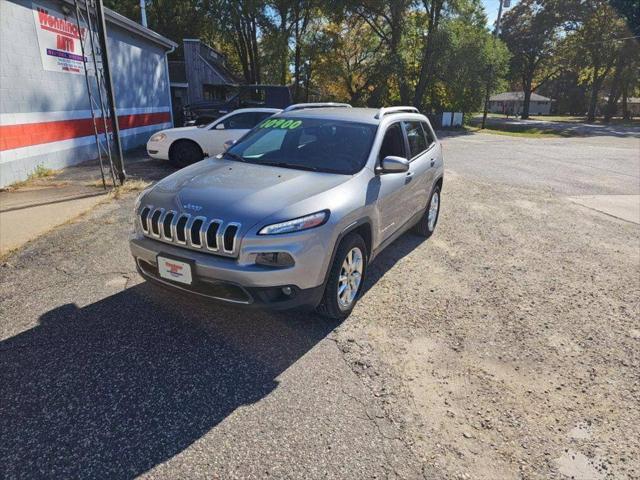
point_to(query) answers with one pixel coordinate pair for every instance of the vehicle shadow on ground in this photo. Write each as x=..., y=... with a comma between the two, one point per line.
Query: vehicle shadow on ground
x=114, y=388
x=391, y=255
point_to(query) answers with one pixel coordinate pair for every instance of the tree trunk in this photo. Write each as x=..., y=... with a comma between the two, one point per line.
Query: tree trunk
x=593, y=99
x=397, y=63
x=626, y=114
x=614, y=93
x=426, y=70
x=526, y=102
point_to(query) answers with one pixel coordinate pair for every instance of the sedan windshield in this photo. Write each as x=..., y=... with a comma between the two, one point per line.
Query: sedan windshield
x=307, y=144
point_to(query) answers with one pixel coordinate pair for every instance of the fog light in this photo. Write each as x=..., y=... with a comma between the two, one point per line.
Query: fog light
x=286, y=291
x=274, y=259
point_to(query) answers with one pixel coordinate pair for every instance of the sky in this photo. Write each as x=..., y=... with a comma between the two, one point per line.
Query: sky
x=491, y=7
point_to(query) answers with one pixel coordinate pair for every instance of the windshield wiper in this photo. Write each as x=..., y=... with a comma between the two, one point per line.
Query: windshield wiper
x=234, y=156
x=290, y=165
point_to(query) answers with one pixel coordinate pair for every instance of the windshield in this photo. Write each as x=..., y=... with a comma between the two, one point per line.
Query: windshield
x=307, y=144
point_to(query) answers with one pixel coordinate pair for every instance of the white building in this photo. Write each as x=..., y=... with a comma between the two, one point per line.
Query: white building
x=511, y=103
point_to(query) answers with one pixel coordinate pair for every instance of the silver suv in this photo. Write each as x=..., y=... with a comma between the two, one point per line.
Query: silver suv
x=294, y=211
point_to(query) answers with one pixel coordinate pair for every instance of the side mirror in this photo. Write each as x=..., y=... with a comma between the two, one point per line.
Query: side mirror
x=220, y=126
x=228, y=144
x=393, y=164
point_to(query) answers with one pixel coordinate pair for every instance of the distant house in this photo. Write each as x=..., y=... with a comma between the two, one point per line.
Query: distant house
x=511, y=103
x=201, y=75
x=633, y=105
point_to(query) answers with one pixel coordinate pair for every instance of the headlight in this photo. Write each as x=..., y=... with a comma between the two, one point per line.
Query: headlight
x=158, y=137
x=297, y=224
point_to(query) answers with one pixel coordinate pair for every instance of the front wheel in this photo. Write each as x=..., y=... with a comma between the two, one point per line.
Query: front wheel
x=346, y=278
x=185, y=152
x=427, y=223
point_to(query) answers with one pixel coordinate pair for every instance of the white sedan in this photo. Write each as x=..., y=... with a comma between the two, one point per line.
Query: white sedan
x=186, y=145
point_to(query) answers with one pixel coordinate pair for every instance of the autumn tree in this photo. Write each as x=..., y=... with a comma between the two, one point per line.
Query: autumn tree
x=531, y=30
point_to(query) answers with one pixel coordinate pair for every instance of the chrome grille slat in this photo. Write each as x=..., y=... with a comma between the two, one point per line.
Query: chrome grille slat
x=183, y=229
x=156, y=218
x=156, y=223
x=233, y=245
x=162, y=222
x=219, y=223
x=189, y=227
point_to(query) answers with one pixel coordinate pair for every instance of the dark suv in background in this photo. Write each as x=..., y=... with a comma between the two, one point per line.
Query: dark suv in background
x=245, y=96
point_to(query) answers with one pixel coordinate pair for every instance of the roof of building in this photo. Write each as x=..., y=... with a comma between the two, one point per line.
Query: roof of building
x=135, y=28
x=517, y=96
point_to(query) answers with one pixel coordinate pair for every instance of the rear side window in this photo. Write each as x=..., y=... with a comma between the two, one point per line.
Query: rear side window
x=429, y=133
x=417, y=139
x=393, y=143
x=241, y=121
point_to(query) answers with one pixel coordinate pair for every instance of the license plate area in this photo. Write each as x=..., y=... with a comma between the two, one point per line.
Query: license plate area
x=175, y=269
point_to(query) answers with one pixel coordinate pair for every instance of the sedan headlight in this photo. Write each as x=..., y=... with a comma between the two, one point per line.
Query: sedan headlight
x=297, y=224
x=158, y=137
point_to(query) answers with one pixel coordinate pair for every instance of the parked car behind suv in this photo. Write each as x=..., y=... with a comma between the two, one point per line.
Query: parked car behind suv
x=293, y=213
x=186, y=145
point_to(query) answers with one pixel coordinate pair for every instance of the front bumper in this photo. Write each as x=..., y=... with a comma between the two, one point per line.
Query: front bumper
x=158, y=150
x=234, y=281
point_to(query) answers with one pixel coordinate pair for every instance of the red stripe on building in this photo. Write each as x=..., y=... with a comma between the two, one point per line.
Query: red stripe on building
x=27, y=134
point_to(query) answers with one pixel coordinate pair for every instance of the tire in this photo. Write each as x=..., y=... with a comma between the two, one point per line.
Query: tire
x=426, y=225
x=185, y=152
x=331, y=306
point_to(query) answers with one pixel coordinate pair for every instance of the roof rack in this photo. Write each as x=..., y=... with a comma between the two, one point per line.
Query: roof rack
x=387, y=110
x=300, y=106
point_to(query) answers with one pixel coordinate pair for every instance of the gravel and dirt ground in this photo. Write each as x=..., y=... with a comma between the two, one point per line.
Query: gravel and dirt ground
x=505, y=347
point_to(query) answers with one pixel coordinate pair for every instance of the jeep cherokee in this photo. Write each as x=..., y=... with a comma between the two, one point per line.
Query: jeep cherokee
x=292, y=214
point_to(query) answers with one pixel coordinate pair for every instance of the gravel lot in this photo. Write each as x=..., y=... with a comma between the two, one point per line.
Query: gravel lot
x=505, y=347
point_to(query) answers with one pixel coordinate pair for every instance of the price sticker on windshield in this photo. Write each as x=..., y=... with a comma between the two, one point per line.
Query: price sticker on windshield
x=281, y=123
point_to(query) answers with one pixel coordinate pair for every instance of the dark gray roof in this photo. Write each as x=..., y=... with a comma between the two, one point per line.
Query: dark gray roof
x=517, y=96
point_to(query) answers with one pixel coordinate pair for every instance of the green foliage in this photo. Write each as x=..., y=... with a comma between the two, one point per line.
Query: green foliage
x=436, y=54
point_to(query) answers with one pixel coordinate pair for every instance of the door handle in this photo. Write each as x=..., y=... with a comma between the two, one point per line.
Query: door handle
x=433, y=162
x=409, y=177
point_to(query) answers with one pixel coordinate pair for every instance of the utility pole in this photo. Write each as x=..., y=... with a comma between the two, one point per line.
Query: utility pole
x=496, y=32
x=102, y=36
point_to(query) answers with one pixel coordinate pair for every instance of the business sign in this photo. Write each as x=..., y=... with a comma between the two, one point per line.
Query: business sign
x=59, y=41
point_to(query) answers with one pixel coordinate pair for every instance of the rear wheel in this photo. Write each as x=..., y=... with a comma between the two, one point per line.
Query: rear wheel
x=427, y=223
x=346, y=278
x=185, y=152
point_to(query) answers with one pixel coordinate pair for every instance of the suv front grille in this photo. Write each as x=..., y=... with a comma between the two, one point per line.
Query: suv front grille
x=196, y=232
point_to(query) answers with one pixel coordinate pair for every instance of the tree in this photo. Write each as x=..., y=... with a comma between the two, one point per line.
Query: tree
x=595, y=47
x=433, y=10
x=531, y=31
x=345, y=69
x=387, y=20
x=238, y=21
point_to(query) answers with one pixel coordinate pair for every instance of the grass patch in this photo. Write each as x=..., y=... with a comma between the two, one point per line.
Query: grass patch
x=520, y=131
x=40, y=172
x=133, y=185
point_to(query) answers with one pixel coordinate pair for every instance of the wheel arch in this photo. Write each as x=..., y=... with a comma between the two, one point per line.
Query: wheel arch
x=363, y=227
x=182, y=140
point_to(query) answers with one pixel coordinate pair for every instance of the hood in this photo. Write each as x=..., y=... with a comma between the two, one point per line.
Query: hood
x=238, y=192
x=178, y=130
